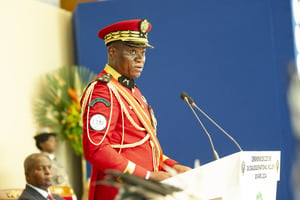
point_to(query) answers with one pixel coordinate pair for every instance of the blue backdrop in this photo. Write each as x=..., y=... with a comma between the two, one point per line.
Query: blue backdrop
x=230, y=56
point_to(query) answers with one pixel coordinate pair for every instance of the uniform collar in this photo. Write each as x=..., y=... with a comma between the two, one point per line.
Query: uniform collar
x=125, y=81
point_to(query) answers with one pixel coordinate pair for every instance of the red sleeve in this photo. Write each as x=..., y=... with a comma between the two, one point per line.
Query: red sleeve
x=168, y=161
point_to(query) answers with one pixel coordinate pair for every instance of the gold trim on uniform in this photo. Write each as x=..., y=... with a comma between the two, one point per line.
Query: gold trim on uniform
x=165, y=157
x=123, y=107
x=112, y=71
x=130, y=167
x=144, y=99
x=143, y=117
x=138, y=143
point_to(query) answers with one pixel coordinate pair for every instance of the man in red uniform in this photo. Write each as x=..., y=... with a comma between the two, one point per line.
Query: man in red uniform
x=119, y=126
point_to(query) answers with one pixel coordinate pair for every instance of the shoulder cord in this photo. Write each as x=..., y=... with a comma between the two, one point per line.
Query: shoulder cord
x=124, y=109
x=85, y=97
x=88, y=96
x=157, y=153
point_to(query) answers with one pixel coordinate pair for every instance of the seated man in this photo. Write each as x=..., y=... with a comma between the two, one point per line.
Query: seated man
x=38, y=175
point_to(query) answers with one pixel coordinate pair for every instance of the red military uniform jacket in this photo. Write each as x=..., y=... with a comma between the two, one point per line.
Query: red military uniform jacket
x=114, y=136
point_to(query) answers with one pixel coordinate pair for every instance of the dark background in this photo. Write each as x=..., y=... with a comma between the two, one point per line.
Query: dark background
x=230, y=56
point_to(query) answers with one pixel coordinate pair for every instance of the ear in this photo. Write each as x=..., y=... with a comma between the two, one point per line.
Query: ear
x=111, y=50
x=27, y=177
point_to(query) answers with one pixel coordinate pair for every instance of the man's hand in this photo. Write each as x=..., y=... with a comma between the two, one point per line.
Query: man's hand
x=181, y=168
x=159, y=176
x=162, y=175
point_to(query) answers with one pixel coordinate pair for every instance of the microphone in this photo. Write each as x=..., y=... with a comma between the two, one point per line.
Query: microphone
x=188, y=100
x=192, y=103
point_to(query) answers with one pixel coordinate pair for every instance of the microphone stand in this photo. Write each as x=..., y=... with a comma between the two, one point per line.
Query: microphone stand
x=215, y=153
x=219, y=127
x=192, y=103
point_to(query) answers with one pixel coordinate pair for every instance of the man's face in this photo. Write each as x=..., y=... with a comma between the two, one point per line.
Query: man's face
x=40, y=174
x=128, y=61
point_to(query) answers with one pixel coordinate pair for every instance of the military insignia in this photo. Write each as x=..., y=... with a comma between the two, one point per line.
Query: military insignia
x=99, y=100
x=98, y=122
x=153, y=118
x=127, y=82
x=105, y=78
x=144, y=26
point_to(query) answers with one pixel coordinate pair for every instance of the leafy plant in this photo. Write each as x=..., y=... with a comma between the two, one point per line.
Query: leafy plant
x=58, y=103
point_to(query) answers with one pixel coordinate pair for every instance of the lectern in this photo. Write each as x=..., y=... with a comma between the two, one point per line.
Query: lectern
x=245, y=175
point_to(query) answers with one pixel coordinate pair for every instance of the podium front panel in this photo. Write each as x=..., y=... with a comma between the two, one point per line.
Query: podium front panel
x=244, y=175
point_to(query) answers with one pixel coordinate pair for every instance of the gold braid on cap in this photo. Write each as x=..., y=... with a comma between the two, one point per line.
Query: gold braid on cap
x=130, y=36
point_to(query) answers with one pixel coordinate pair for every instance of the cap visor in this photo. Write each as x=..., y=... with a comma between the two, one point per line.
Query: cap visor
x=140, y=45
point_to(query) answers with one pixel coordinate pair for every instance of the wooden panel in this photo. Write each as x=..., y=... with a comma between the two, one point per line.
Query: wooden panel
x=10, y=194
x=70, y=5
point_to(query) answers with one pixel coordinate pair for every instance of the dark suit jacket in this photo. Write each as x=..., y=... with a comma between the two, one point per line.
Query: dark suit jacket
x=31, y=194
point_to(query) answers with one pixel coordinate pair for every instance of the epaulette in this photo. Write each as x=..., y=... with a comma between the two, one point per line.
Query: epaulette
x=105, y=78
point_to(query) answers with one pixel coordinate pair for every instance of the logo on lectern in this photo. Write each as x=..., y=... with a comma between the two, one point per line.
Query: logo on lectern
x=259, y=196
x=277, y=166
x=243, y=167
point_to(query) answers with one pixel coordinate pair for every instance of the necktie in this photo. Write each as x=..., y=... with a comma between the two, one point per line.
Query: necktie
x=50, y=197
